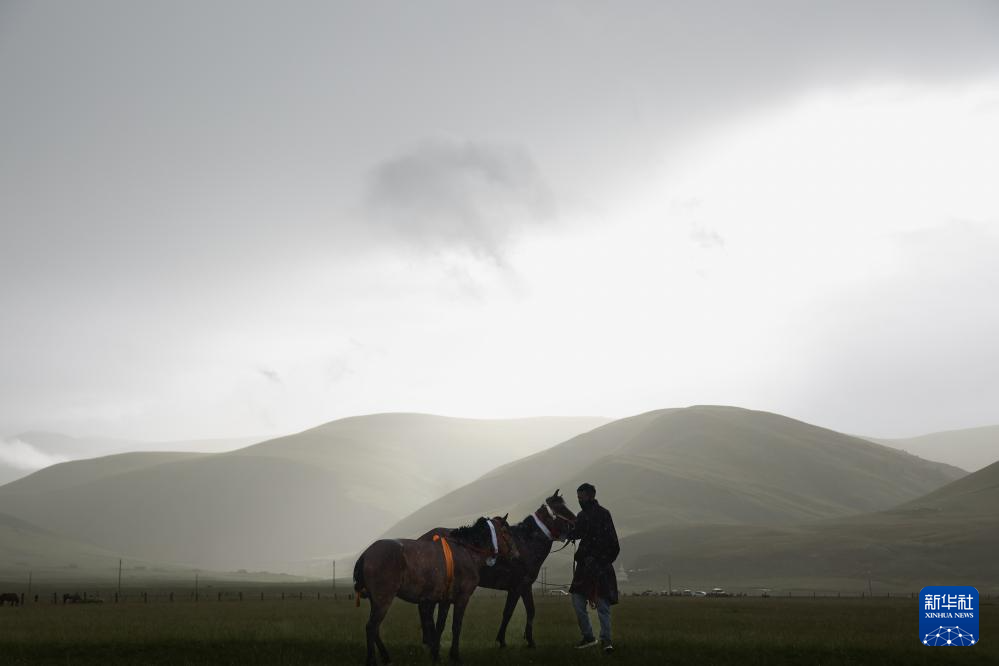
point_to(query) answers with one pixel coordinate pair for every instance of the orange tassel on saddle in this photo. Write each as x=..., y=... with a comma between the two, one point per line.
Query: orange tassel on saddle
x=448, y=562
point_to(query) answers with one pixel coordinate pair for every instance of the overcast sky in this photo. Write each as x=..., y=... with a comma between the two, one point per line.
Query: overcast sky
x=230, y=218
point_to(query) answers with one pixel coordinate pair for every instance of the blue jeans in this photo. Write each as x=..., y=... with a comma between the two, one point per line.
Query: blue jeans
x=583, y=617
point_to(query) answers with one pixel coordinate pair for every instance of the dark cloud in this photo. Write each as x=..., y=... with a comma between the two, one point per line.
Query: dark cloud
x=270, y=375
x=463, y=194
x=706, y=239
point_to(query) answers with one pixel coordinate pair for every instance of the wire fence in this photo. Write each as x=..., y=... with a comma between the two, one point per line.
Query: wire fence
x=76, y=595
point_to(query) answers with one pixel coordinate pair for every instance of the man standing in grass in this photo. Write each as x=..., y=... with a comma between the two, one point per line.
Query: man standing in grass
x=593, y=578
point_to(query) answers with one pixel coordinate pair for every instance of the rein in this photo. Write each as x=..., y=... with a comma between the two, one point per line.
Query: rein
x=564, y=544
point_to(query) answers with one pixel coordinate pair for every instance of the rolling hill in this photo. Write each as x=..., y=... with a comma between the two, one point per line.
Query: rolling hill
x=81, y=472
x=280, y=505
x=971, y=449
x=55, y=562
x=949, y=536
x=28, y=452
x=701, y=465
x=25, y=547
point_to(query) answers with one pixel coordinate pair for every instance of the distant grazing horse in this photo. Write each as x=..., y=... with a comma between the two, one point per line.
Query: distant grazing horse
x=534, y=537
x=10, y=597
x=425, y=573
x=72, y=599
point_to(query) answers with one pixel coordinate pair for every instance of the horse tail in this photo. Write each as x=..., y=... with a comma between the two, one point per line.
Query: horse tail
x=359, y=587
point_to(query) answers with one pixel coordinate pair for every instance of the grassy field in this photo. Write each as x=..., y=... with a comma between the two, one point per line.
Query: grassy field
x=648, y=630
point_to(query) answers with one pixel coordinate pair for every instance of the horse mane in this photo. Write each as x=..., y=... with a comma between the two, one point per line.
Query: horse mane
x=476, y=534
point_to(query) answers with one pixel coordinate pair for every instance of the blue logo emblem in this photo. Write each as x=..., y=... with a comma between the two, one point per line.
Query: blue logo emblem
x=948, y=615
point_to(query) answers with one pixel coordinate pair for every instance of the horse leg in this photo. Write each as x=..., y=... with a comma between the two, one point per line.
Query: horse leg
x=379, y=608
x=431, y=638
x=512, y=597
x=459, y=613
x=382, y=650
x=442, y=609
x=425, y=609
x=528, y=596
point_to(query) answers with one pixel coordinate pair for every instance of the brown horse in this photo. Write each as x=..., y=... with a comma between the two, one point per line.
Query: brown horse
x=427, y=572
x=11, y=598
x=533, y=537
x=72, y=599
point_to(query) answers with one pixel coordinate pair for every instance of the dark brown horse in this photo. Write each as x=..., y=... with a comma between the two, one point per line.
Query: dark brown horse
x=425, y=573
x=11, y=598
x=72, y=599
x=533, y=537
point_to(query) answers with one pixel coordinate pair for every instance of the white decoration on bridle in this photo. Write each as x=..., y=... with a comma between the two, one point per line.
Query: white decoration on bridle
x=492, y=531
x=542, y=527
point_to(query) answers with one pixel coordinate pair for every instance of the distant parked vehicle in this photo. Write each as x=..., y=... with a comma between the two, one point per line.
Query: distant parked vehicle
x=700, y=593
x=557, y=593
x=688, y=593
x=718, y=592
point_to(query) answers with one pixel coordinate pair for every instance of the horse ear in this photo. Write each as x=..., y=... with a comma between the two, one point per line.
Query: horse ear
x=556, y=492
x=505, y=516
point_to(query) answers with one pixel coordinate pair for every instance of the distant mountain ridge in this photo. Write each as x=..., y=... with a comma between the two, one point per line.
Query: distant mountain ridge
x=28, y=452
x=970, y=448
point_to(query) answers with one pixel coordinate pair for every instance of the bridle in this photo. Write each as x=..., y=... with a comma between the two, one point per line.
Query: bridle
x=551, y=532
x=490, y=553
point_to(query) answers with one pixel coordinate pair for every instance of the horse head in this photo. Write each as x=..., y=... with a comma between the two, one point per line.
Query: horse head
x=506, y=544
x=563, y=515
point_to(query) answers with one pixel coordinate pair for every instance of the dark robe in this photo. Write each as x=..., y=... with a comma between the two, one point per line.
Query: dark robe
x=594, y=574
